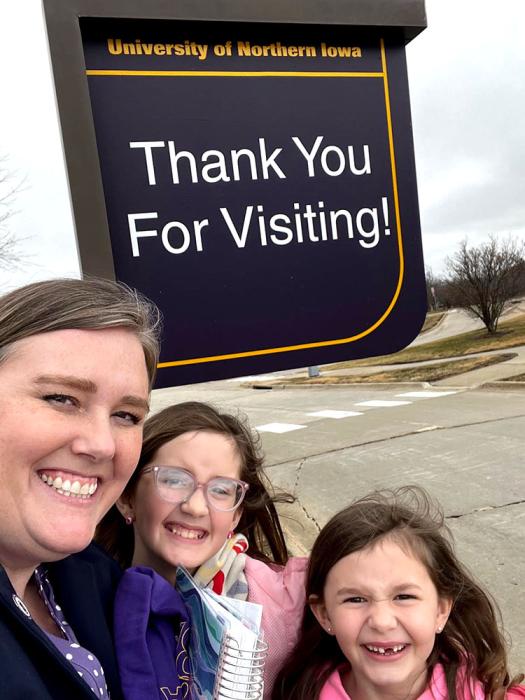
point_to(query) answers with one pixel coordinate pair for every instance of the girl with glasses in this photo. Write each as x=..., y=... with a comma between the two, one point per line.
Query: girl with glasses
x=199, y=498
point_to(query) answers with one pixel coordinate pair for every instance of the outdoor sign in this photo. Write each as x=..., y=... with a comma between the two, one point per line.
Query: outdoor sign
x=260, y=187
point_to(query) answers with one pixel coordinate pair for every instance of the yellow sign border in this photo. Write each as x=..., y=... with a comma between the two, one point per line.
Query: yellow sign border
x=262, y=74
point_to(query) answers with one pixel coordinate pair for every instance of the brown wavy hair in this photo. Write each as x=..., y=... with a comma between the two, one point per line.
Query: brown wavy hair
x=471, y=637
x=259, y=520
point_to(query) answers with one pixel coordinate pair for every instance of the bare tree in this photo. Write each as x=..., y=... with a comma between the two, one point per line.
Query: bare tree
x=484, y=278
x=10, y=255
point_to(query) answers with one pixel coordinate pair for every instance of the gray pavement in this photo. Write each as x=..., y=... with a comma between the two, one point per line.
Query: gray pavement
x=456, y=321
x=466, y=447
x=453, y=322
x=463, y=439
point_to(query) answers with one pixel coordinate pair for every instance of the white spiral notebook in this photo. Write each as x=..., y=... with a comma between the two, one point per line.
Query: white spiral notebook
x=226, y=648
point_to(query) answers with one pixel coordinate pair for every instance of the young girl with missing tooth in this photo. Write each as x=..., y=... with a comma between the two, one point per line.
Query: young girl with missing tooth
x=393, y=614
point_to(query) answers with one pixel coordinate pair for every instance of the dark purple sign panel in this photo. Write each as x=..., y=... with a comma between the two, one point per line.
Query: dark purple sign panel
x=260, y=187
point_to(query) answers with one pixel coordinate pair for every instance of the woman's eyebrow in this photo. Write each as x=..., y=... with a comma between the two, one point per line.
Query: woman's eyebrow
x=68, y=380
x=88, y=386
x=136, y=401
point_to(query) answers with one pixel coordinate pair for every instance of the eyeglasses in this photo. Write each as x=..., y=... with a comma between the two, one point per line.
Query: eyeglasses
x=176, y=485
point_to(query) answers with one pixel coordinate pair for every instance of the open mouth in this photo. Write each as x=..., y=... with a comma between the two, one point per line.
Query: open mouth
x=185, y=533
x=70, y=485
x=385, y=650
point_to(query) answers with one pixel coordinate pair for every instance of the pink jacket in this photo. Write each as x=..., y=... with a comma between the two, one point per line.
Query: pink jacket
x=436, y=689
x=280, y=590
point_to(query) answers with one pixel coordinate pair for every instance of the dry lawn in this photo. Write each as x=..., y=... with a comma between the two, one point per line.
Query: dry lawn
x=510, y=334
x=515, y=378
x=431, y=320
x=425, y=373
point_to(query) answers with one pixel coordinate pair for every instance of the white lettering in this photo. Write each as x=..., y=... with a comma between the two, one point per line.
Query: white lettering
x=219, y=165
x=309, y=155
x=148, y=146
x=174, y=162
x=185, y=237
x=135, y=235
x=373, y=232
x=324, y=160
x=366, y=169
x=235, y=155
x=268, y=162
x=278, y=228
x=239, y=240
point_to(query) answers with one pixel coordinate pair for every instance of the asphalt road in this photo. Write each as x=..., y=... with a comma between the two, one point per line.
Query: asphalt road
x=466, y=446
x=458, y=321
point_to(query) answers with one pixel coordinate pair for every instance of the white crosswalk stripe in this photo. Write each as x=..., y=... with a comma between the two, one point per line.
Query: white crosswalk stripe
x=278, y=427
x=378, y=403
x=334, y=414
x=339, y=414
x=426, y=394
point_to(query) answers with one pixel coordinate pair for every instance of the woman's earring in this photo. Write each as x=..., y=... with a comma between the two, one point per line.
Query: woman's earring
x=230, y=535
x=129, y=520
x=439, y=629
x=329, y=629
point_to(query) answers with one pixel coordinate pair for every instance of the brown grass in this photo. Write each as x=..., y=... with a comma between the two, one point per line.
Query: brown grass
x=510, y=334
x=431, y=320
x=425, y=373
x=515, y=378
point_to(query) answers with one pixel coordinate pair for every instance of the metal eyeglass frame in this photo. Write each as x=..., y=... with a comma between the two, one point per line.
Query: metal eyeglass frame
x=197, y=484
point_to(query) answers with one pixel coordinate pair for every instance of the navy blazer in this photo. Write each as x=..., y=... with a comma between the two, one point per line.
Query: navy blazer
x=31, y=666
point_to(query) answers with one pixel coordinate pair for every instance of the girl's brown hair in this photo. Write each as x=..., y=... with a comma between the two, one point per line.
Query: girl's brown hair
x=259, y=521
x=471, y=638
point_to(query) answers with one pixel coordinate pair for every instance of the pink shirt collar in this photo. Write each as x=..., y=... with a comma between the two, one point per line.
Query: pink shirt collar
x=436, y=689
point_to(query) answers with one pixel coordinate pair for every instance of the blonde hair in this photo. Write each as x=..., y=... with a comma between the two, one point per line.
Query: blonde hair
x=88, y=304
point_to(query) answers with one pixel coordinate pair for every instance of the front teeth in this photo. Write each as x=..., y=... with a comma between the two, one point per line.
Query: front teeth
x=384, y=650
x=67, y=488
x=187, y=534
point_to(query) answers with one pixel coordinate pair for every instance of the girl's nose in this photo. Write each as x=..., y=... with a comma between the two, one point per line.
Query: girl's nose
x=382, y=616
x=195, y=504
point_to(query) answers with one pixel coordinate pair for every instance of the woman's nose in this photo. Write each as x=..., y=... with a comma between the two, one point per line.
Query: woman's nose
x=95, y=439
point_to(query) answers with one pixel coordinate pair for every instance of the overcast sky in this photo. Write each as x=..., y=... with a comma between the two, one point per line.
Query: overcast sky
x=467, y=85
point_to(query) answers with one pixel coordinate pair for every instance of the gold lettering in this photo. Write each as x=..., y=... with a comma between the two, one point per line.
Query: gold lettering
x=115, y=46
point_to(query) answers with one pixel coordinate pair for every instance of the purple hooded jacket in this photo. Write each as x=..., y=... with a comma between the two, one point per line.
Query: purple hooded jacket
x=151, y=632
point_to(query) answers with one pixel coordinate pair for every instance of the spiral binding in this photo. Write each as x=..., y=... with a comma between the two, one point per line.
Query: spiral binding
x=240, y=671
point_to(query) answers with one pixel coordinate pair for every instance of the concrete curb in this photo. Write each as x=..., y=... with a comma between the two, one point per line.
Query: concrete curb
x=510, y=385
x=438, y=324
x=362, y=385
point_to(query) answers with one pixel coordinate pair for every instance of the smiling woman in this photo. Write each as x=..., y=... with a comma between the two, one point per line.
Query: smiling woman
x=77, y=360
